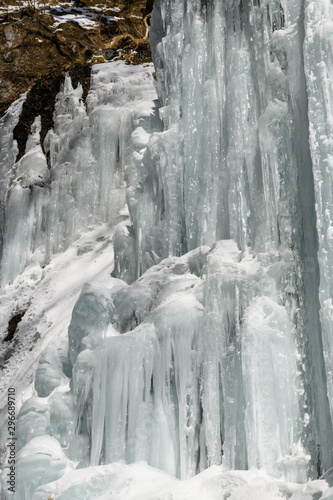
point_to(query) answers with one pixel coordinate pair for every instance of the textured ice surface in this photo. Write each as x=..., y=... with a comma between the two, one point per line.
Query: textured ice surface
x=212, y=343
x=8, y=153
x=234, y=162
x=190, y=365
x=318, y=67
x=41, y=461
x=89, y=160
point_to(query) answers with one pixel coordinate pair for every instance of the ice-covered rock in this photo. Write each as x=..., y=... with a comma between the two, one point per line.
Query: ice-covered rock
x=234, y=162
x=90, y=318
x=40, y=461
x=192, y=365
x=89, y=159
x=215, y=346
x=33, y=420
x=50, y=371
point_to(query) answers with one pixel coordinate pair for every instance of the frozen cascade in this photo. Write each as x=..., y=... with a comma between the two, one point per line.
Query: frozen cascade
x=84, y=183
x=318, y=67
x=234, y=162
x=8, y=153
x=154, y=363
x=212, y=342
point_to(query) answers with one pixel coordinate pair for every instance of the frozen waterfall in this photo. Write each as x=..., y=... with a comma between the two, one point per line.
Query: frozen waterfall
x=212, y=342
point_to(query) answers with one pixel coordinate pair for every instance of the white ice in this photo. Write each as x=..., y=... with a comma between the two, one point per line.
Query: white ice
x=211, y=343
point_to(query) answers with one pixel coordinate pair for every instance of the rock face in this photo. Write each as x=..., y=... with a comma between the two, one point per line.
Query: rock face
x=38, y=42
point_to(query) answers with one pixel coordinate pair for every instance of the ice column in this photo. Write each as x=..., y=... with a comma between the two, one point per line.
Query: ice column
x=318, y=70
x=233, y=162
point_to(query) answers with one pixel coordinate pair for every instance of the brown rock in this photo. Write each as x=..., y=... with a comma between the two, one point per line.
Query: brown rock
x=32, y=49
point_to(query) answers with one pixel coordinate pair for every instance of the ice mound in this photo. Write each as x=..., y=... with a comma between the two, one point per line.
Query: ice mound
x=139, y=481
x=40, y=461
x=50, y=371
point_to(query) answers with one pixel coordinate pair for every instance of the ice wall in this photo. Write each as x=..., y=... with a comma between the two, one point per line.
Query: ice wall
x=8, y=153
x=318, y=68
x=234, y=162
x=215, y=346
x=172, y=371
x=47, y=205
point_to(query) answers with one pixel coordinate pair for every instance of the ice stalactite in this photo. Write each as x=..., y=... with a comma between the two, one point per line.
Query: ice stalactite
x=193, y=364
x=234, y=162
x=318, y=66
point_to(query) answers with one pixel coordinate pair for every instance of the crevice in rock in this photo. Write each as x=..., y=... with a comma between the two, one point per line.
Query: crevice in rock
x=12, y=326
x=41, y=101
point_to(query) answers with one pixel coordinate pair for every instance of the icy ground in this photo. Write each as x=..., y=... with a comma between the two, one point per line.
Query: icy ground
x=89, y=259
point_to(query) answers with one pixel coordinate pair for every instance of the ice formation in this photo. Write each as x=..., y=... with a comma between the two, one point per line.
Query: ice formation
x=212, y=342
x=47, y=208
